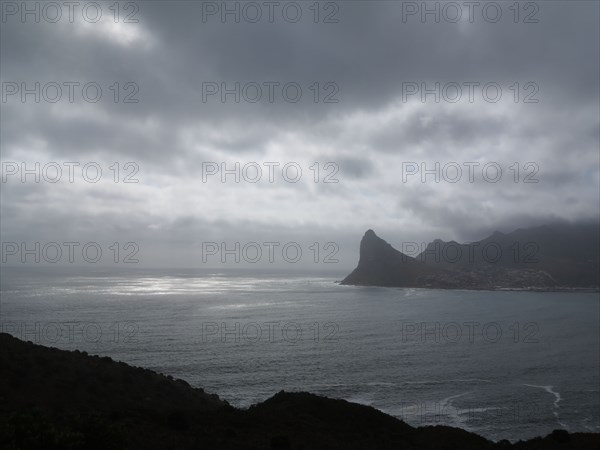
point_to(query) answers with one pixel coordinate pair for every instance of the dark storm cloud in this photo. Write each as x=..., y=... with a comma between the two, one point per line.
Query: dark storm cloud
x=370, y=132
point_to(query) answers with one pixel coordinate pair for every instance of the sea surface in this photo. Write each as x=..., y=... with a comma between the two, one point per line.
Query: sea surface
x=506, y=365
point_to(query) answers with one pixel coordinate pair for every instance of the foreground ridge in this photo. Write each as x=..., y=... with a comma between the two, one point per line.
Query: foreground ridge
x=56, y=399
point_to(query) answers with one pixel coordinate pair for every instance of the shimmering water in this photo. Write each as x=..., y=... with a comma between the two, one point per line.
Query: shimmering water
x=507, y=365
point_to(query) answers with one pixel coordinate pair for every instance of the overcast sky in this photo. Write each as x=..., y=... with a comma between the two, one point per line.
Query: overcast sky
x=371, y=130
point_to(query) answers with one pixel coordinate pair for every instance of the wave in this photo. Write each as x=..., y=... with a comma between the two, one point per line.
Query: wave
x=548, y=389
x=557, y=399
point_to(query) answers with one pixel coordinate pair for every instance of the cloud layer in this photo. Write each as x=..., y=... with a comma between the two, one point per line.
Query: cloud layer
x=343, y=102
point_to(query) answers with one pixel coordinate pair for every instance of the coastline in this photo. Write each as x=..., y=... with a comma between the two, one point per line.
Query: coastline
x=495, y=289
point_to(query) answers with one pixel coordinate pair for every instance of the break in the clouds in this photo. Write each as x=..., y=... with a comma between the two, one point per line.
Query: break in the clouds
x=333, y=116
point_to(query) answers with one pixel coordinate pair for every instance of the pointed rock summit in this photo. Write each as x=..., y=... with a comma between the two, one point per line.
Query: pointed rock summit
x=380, y=264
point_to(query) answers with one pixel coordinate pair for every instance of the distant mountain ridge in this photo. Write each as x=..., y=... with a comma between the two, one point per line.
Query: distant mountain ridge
x=560, y=256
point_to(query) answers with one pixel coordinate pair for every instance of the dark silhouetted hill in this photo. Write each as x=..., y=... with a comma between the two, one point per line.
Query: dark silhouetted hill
x=55, y=399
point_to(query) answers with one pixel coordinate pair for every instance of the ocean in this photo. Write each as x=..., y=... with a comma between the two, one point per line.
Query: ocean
x=506, y=365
